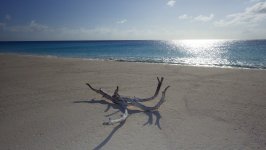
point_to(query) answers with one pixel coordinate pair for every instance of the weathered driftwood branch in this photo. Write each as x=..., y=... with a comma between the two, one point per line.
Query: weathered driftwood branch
x=156, y=92
x=146, y=108
x=123, y=101
x=113, y=121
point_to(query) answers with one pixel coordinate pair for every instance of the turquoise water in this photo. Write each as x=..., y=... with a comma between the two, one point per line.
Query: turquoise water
x=218, y=53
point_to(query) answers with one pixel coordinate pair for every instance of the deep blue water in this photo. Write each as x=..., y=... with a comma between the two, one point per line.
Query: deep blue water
x=219, y=53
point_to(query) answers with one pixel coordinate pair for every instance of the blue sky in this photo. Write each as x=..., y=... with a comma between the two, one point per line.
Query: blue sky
x=132, y=19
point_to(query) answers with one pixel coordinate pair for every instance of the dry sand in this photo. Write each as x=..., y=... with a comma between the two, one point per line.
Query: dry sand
x=45, y=104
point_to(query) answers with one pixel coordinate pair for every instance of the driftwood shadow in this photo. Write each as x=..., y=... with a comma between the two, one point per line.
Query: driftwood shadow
x=109, y=105
x=108, y=138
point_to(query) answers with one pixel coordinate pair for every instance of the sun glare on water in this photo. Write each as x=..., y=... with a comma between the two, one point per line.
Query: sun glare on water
x=201, y=52
x=195, y=46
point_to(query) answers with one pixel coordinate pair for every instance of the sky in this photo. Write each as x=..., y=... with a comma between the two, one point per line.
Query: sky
x=132, y=19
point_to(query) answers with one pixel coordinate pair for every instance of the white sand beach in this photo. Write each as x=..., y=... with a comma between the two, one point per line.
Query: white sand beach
x=45, y=104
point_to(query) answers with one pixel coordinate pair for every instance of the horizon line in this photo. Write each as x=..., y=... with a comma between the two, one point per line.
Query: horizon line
x=126, y=40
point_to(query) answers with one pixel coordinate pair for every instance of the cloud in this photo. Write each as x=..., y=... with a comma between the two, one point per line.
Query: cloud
x=204, y=18
x=171, y=3
x=255, y=1
x=2, y=25
x=33, y=26
x=121, y=21
x=200, y=18
x=251, y=16
x=8, y=17
x=105, y=33
x=183, y=17
x=257, y=8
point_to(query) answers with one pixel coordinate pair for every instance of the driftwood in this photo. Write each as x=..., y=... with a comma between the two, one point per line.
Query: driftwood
x=123, y=101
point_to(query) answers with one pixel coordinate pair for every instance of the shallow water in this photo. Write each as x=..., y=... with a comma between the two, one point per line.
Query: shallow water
x=218, y=53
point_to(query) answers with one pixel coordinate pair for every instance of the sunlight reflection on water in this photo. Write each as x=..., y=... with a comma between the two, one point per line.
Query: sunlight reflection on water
x=201, y=52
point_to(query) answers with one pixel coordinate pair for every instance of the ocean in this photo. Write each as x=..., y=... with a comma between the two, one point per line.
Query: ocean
x=210, y=53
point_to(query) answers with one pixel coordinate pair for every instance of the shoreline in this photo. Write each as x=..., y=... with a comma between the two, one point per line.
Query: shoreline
x=128, y=61
x=45, y=104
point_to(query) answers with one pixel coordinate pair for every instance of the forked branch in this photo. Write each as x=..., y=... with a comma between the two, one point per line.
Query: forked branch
x=146, y=108
x=105, y=95
x=123, y=102
x=155, y=94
